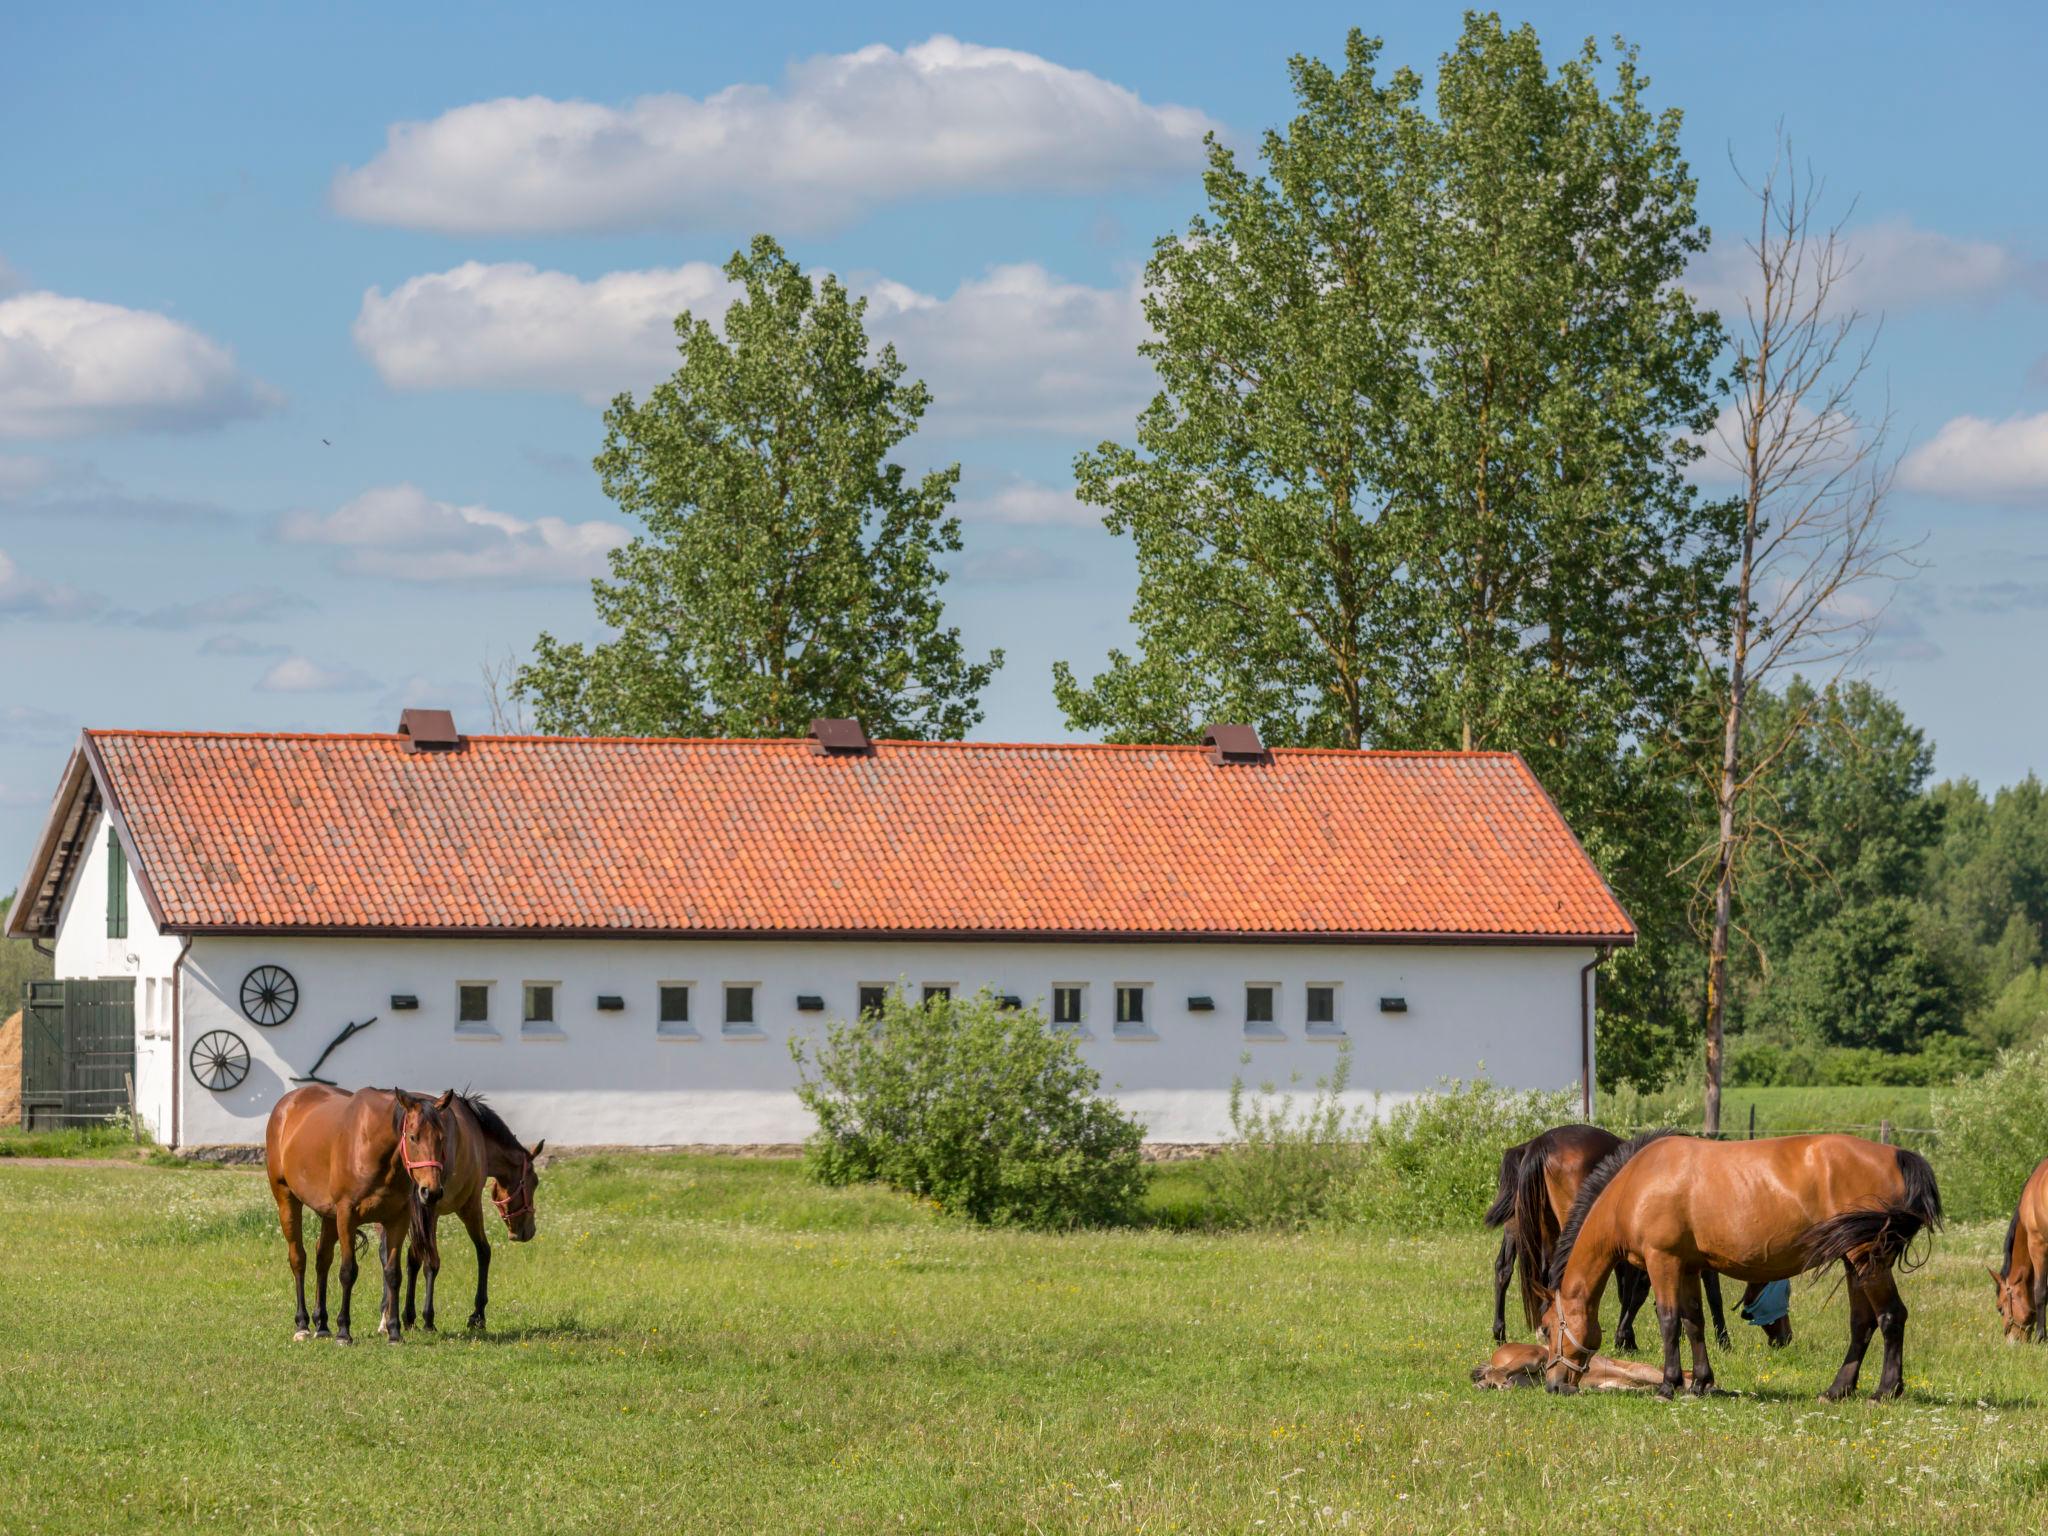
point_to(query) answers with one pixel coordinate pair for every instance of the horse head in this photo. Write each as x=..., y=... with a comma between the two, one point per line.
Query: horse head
x=423, y=1141
x=2015, y=1305
x=1571, y=1329
x=514, y=1196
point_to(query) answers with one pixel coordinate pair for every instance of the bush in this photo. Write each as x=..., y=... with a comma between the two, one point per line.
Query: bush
x=1435, y=1159
x=1285, y=1168
x=979, y=1108
x=1755, y=1063
x=1991, y=1134
x=2020, y=1014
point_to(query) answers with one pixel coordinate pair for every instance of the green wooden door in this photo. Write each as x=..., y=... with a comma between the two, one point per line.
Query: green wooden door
x=78, y=1051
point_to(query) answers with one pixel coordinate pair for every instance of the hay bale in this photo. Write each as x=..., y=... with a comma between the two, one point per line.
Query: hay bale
x=10, y=1071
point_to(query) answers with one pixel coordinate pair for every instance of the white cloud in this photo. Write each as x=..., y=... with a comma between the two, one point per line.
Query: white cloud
x=400, y=533
x=30, y=597
x=844, y=133
x=1030, y=504
x=296, y=674
x=1979, y=460
x=1016, y=349
x=74, y=366
x=513, y=326
x=1889, y=265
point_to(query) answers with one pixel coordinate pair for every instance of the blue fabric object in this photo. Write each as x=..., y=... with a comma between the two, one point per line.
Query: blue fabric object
x=1771, y=1304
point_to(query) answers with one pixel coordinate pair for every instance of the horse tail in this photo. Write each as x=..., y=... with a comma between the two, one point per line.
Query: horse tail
x=1534, y=1237
x=1504, y=1188
x=1879, y=1234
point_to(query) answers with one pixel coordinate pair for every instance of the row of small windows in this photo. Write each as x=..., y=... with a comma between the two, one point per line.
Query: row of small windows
x=1067, y=1007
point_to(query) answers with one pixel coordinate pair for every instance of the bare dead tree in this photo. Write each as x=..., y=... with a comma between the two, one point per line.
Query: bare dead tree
x=508, y=709
x=1816, y=567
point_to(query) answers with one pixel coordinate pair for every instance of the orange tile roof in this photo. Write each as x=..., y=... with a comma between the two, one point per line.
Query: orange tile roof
x=538, y=834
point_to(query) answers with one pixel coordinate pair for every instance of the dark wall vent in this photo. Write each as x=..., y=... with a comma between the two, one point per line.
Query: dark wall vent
x=429, y=730
x=404, y=1002
x=1233, y=744
x=1393, y=1005
x=1201, y=1005
x=1011, y=1001
x=840, y=738
x=610, y=1002
x=810, y=1002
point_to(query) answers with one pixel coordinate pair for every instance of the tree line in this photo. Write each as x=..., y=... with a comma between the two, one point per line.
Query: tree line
x=1428, y=466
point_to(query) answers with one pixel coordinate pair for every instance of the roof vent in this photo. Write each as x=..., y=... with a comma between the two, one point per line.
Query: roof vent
x=840, y=738
x=1233, y=744
x=428, y=730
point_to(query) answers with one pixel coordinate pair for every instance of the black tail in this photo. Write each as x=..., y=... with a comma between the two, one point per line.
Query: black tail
x=1503, y=1206
x=1879, y=1234
x=1535, y=1236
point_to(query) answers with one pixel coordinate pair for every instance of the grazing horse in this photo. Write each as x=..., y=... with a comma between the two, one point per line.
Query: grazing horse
x=1538, y=1180
x=369, y=1158
x=481, y=1148
x=2023, y=1285
x=1758, y=1210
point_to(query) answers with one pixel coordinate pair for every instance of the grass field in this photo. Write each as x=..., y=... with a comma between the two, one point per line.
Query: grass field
x=697, y=1345
x=1784, y=1111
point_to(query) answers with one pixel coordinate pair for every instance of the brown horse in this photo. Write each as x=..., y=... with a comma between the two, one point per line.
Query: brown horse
x=1522, y=1365
x=1758, y=1210
x=2023, y=1286
x=1538, y=1180
x=369, y=1158
x=481, y=1149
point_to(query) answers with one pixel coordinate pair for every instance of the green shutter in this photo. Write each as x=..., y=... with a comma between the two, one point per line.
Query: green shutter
x=117, y=886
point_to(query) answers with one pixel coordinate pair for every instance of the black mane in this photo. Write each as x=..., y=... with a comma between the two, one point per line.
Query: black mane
x=1601, y=1176
x=492, y=1122
x=2012, y=1231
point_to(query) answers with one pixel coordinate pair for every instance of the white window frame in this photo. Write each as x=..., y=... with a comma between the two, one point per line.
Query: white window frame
x=1078, y=1028
x=549, y=1028
x=1334, y=1029
x=477, y=1029
x=676, y=1029
x=731, y=1030
x=1142, y=1029
x=1268, y=1029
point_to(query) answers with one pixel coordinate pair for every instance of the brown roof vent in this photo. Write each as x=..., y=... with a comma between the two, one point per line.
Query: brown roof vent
x=428, y=730
x=1233, y=744
x=840, y=738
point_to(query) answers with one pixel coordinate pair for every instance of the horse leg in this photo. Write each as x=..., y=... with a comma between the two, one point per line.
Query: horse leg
x=1712, y=1283
x=289, y=1214
x=1695, y=1322
x=473, y=1218
x=1891, y=1321
x=433, y=1267
x=390, y=1249
x=1664, y=1283
x=1862, y=1322
x=412, y=1276
x=345, y=1230
x=1503, y=1273
x=1631, y=1288
x=323, y=1257
x=2037, y=1255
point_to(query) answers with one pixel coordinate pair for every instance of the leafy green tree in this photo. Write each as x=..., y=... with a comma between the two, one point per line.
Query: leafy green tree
x=19, y=965
x=1883, y=974
x=1415, y=476
x=1990, y=873
x=788, y=569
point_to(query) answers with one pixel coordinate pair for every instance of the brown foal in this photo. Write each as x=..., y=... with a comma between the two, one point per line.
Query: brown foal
x=2023, y=1285
x=481, y=1150
x=1758, y=1210
x=368, y=1158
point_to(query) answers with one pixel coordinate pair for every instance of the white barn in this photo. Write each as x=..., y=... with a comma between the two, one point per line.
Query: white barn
x=616, y=939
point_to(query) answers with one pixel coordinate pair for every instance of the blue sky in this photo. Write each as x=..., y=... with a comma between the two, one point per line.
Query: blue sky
x=296, y=415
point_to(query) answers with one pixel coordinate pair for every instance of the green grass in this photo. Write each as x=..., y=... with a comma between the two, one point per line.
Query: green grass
x=700, y=1345
x=1782, y=1111
x=73, y=1141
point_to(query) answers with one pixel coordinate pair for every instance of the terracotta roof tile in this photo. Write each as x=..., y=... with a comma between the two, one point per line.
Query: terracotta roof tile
x=632, y=836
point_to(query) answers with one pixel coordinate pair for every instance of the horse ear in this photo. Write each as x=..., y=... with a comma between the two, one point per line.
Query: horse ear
x=535, y=1150
x=443, y=1101
x=1996, y=1277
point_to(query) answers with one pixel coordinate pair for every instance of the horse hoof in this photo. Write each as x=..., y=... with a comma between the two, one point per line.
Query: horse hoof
x=302, y=1335
x=342, y=1338
x=1722, y=1341
x=1666, y=1392
x=476, y=1324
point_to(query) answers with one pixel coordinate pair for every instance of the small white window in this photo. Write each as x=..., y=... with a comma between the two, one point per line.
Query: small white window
x=1321, y=1016
x=870, y=998
x=537, y=1010
x=1261, y=1011
x=739, y=1010
x=1132, y=1021
x=1070, y=1006
x=473, y=1010
x=672, y=1011
x=938, y=991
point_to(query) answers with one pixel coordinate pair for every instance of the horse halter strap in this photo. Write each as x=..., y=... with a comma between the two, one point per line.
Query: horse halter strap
x=1557, y=1354
x=405, y=1156
x=503, y=1200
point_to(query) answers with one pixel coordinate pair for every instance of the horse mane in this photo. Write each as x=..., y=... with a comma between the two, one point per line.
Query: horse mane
x=2012, y=1231
x=1596, y=1181
x=1509, y=1182
x=491, y=1122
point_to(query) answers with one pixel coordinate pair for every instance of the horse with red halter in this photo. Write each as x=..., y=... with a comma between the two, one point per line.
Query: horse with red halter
x=481, y=1151
x=1758, y=1210
x=368, y=1158
x=2023, y=1281
x=1538, y=1180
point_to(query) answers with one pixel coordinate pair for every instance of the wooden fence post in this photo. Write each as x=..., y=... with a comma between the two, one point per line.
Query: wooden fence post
x=1884, y=1132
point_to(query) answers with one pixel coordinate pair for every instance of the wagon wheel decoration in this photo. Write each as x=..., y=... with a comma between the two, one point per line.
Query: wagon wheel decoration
x=269, y=995
x=219, y=1060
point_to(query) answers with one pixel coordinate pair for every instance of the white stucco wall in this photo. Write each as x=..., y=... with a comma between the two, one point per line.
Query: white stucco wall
x=610, y=1078
x=145, y=956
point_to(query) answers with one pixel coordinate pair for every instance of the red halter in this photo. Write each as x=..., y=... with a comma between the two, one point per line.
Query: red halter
x=504, y=1198
x=405, y=1156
